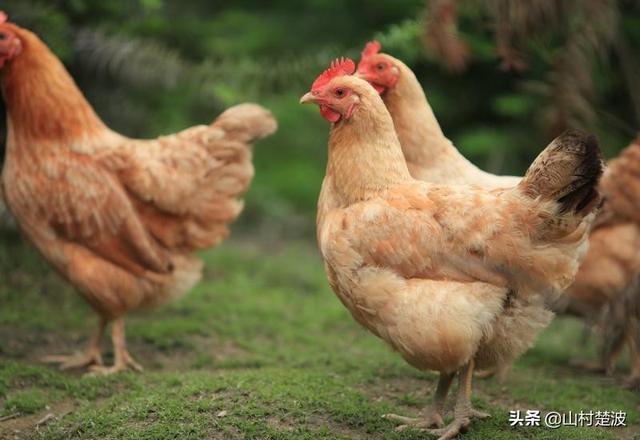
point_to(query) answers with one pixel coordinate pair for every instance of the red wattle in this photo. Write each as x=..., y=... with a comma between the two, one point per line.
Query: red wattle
x=329, y=114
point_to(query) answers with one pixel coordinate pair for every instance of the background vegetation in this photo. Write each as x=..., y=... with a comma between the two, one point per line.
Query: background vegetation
x=261, y=348
x=503, y=77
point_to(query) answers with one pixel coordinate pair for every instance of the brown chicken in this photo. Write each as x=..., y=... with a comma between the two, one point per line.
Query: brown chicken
x=611, y=266
x=606, y=290
x=435, y=270
x=120, y=218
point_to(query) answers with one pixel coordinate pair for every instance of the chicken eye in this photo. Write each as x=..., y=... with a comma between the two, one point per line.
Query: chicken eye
x=380, y=66
x=3, y=36
x=339, y=92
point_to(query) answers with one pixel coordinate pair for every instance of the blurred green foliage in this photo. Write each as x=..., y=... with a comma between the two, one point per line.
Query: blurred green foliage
x=157, y=66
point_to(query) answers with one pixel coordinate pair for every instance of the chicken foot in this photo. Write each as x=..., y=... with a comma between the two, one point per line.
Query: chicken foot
x=432, y=414
x=122, y=358
x=463, y=411
x=91, y=356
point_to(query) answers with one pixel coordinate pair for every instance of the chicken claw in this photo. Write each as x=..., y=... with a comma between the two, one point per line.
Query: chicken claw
x=122, y=364
x=122, y=359
x=92, y=356
x=480, y=415
x=431, y=419
x=432, y=415
x=463, y=411
x=458, y=426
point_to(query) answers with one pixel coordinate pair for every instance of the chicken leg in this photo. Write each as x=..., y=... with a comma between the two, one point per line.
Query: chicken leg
x=615, y=336
x=633, y=381
x=432, y=414
x=122, y=358
x=92, y=355
x=463, y=411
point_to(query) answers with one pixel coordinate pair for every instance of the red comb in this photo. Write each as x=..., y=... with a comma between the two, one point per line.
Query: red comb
x=3, y=17
x=372, y=48
x=338, y=67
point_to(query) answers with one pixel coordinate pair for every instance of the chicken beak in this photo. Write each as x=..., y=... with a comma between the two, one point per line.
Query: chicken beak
x=308, y=98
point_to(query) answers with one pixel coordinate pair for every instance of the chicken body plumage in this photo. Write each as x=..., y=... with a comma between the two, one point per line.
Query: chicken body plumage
x=610, y=269
x=431, y=157
x=434, y=269
x=120, y=218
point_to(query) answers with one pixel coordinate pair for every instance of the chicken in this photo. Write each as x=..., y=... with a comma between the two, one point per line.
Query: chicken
x=434, y=270
x=430, y=155
x=433, y=158
x=606, y=290
x=119, y=218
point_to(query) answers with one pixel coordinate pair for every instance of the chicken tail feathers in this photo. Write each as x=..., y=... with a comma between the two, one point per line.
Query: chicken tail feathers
x=228, y=141
x=246, y=123
x=567, y=171
x=562, y=188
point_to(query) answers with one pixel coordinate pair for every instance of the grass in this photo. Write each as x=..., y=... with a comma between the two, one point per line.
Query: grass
x=261, y=349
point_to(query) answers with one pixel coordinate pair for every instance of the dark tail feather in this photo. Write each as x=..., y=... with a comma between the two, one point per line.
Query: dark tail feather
x=567, y=171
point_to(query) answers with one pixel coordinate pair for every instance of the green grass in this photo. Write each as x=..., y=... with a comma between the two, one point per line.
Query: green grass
x=26, y=401
x=261, y=349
